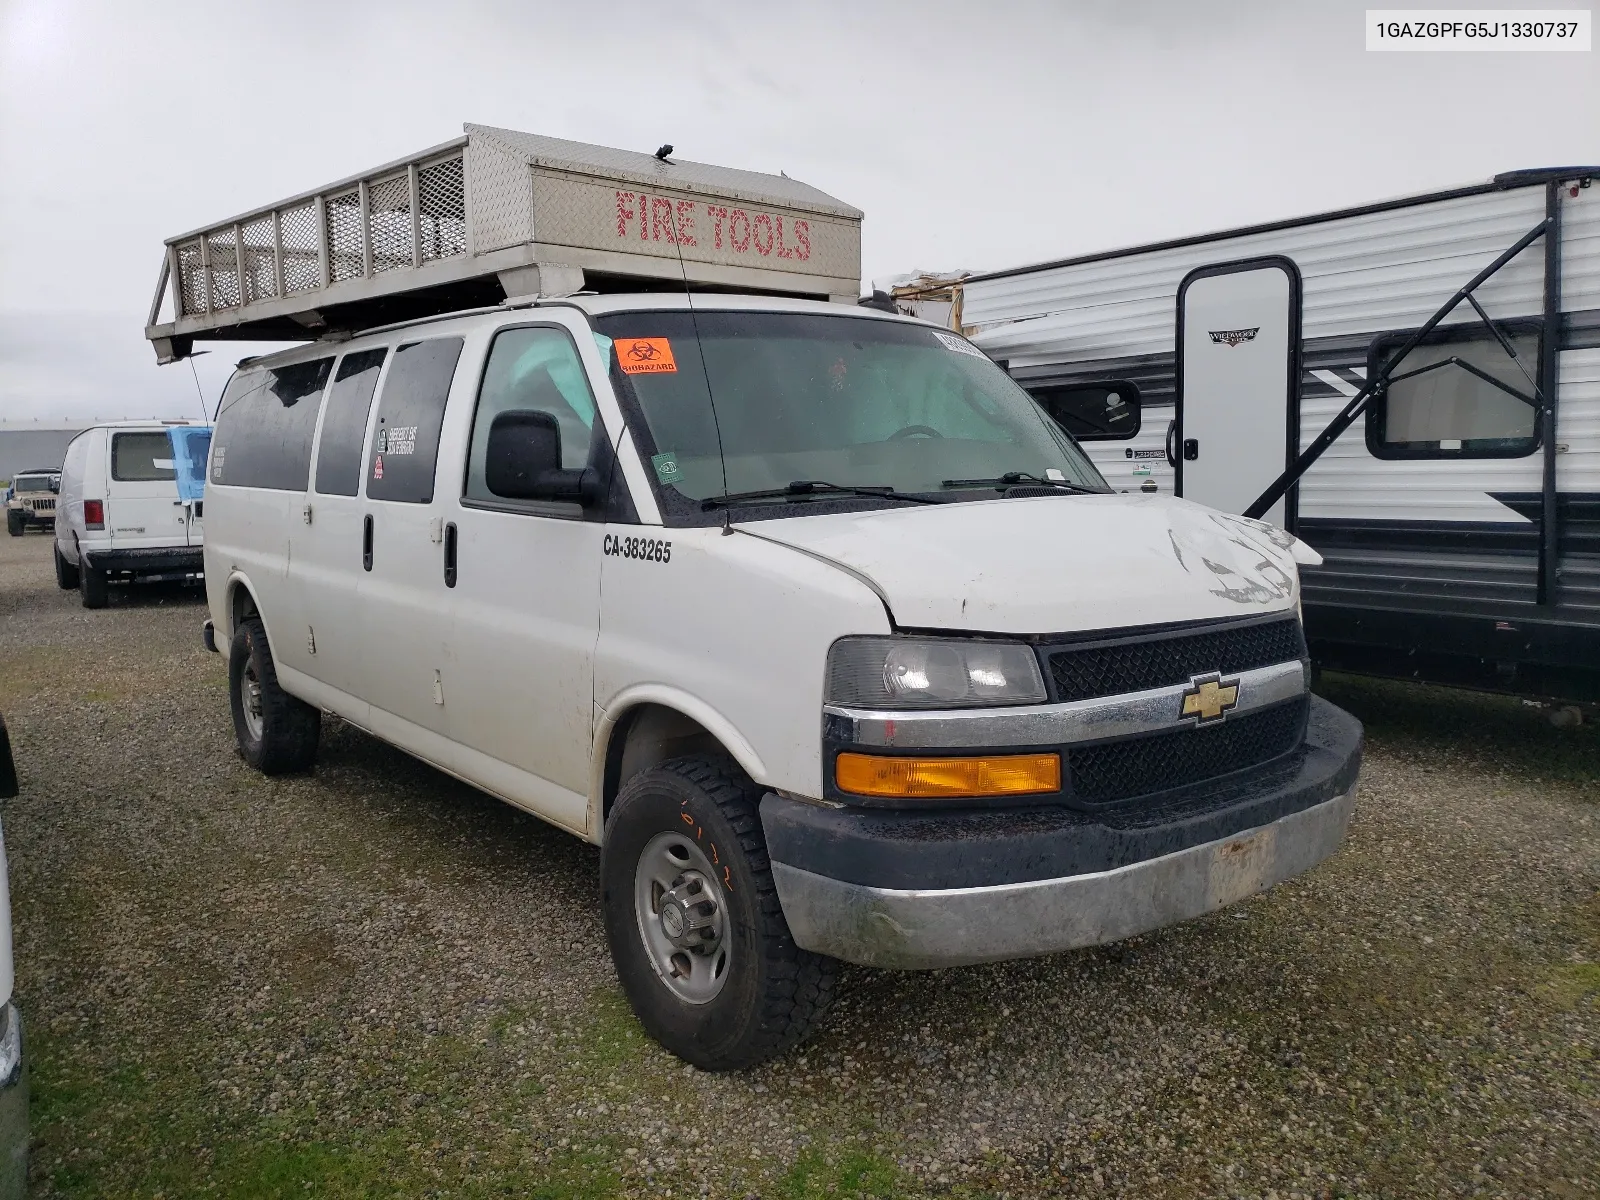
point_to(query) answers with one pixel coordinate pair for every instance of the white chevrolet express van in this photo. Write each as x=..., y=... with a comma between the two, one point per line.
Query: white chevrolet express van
x=130, y=506
x=806, y=614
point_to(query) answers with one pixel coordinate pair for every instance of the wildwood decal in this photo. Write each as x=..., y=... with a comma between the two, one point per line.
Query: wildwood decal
x=1232, y=337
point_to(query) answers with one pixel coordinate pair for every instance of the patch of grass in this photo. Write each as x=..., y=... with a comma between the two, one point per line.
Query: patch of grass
x=1574, y=984
x=614, y=1037
x=856, y=1173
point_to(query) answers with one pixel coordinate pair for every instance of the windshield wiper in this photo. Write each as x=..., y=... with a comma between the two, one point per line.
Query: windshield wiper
x=805, y=489
x=1010, y=478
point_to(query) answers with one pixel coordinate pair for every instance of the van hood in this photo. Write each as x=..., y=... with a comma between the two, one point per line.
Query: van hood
x=1054, y=564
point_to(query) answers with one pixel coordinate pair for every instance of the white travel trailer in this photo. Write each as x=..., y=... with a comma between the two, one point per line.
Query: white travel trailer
x=1450, y=482
x=830, y=639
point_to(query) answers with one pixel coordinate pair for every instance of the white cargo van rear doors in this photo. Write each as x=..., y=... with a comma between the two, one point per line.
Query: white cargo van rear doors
x=526, y=589
x=141, y=504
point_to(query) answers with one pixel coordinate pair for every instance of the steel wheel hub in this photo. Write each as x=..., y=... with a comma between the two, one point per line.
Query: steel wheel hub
x=681, y=911
x=252, y=702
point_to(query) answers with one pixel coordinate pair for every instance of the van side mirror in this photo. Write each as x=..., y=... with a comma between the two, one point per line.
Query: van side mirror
x=524, y=461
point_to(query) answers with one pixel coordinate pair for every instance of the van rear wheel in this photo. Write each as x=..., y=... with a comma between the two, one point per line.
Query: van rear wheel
x=277, y=733
x=91, y=583
x=66, y=573
x=698, y=937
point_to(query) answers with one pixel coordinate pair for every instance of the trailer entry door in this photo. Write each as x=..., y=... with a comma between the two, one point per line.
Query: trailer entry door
x=1238, y=349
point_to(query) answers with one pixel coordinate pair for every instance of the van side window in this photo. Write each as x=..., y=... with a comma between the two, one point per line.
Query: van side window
x=265, y=424
x=1092, y=412
x=142, y=457
x=405, y=448
x=1446, y=410
x=538, y=369
x=344, y=425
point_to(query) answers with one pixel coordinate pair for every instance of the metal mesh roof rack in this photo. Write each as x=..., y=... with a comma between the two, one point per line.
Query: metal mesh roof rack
x=490, y=215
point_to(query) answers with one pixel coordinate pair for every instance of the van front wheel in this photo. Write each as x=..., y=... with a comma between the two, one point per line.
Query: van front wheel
x=277, y=733
x=696, y=931
x=14, y=522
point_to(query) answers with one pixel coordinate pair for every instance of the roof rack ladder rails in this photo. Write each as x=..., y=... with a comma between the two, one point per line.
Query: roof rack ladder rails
x=205, y=272
x=324, y=270
x=168, y=266
x=1358, y=403
x=469, y=240
x=238, y=258
x=175, y=281
x=414, y=186
x=365, y=194
x=277, y=254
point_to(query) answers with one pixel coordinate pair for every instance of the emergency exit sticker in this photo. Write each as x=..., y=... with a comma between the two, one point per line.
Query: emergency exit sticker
x=645, y=356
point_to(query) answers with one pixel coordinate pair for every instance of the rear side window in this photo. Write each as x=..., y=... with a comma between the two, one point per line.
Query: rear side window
x=344, y=425
x=1093, y=412
x=405, y=449
x=142, y=457
x=265, y=426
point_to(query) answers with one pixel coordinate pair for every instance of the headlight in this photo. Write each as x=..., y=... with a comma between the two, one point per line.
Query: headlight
x=892, y=672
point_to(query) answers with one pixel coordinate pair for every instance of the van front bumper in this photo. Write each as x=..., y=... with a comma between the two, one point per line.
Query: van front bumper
x=908, y=889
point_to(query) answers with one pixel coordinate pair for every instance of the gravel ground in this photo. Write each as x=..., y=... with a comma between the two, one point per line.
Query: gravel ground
x=375, y=981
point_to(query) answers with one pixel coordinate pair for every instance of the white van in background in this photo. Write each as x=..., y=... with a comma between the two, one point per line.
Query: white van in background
x=130, y=506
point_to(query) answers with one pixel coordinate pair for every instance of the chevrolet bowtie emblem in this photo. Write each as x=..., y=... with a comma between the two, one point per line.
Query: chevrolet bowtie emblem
x=1209, y=697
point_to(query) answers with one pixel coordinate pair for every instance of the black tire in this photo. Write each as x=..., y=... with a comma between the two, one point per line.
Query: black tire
x=286, y=740
x=91, y=583
x=66, y=573
x=14, y=524
x=775, y=993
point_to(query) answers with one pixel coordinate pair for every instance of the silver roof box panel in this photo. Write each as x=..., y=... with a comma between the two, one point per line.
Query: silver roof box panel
x=489, y=216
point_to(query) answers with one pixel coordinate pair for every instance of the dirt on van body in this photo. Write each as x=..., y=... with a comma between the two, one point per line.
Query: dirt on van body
x=375, y=981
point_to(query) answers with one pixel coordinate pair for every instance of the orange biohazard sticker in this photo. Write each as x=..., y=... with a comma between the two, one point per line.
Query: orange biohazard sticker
x=645, y=356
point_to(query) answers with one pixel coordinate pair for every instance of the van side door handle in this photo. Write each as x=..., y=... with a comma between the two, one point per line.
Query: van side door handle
x=366, y=543
x=450, y=555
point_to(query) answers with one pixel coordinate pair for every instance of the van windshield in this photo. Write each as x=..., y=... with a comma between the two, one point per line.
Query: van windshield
x=853, y=401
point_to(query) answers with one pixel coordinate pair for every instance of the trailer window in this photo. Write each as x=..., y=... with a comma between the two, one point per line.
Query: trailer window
x=265, y=424
x=142, y=457
x=344, y=425
x=405, y=448
x=1441, y=409
x=532, y=368
x=1092, y=412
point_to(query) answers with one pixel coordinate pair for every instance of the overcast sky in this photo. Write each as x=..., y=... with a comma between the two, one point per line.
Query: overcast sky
x=973, y=135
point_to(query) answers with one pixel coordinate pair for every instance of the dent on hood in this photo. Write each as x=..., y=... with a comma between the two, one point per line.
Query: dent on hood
x=1247, y=565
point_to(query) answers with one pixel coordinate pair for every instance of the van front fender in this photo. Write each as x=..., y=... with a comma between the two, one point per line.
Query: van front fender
x=613, y=716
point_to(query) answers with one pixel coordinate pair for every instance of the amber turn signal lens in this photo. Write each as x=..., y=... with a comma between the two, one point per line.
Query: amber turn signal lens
x=1009, y=775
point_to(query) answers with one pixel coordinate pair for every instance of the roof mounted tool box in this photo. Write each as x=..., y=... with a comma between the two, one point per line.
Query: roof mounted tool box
x=491, y=215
